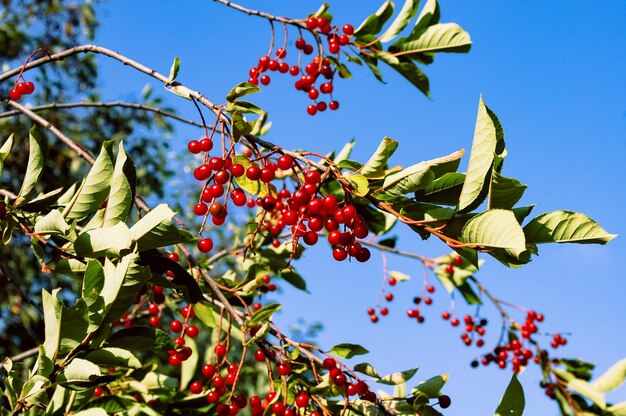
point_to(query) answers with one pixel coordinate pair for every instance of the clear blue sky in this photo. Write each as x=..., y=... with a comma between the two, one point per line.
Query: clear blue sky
x=555, y=74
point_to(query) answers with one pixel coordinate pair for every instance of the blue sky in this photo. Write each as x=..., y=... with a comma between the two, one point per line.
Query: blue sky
x=555, y=75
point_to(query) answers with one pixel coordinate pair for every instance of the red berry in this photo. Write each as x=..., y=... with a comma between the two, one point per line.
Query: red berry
x=98, y=391
x=326, y=88
x=458, y=260
x=430, y=289
x=205, y=245
x=312, y=176
x=154, y=321
x=444, y=401
x=14, y=94
x=192, y=331
x=300, y=42
x=194, y=147
x=176, y=326
x=253, y=173
x=200, y=209
x=196, y=387
x=348, y=29
x=285, y=162
x=449, y=269
x=302, y=400
x=340, y=254
x=333, y=105
x=265, y=80
x=311, y=109
x=220, y=350
x=259, y=355
x=329, y=363
x=284, y=369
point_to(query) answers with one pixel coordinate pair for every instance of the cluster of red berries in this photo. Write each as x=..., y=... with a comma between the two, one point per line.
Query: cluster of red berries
x=309, y=75
x=558, y=341
x=181, y=352
x=21, y=88
x=305, y=210
x=351, y=387
x=512, y=353
x=473, y=325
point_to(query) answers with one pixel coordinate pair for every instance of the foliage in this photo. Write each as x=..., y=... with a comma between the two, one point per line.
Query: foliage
x=103, y=347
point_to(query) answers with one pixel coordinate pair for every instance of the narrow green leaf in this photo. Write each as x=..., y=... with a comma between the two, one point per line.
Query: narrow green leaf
x=190, y=365
x=345, y=152
x=429, y=16
x=37, y=154
x=513, y=402
x=122, y=282
x=5, y=150
x=346, y=350
x=93, y=282
x=263, y=314
x=374, y=23
x=495, y=228
x=408, y=11
x=398, y=378
x=293, y=278
x=343, y=70
x=43, y=202
x=399, y=276
x=418, y=176
x=565, y=227
x=244, y=107
x=612, y=378
x=367, y=369
x=95, y=187
x=52, y=310
x=405, y=67
x=377, y=163
x=122, y=190
x=372, y=64
x=480, y=165
x=141, y=338
x=156, y=230
x=444, y=37
x=206, y=313
x=173, y=71
x=505, y=192
x=180, y=90
x=241, y=90
x=107, y=241
x=582, y=387
x=432, y=387
x=444, y=190
x=113, y=357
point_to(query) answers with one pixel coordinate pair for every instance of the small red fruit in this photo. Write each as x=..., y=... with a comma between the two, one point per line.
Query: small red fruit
x=205, y=245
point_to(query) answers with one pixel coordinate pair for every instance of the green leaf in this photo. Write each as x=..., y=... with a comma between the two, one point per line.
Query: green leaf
x=43, y=202
x=37, y=154
x=52, y=223
x=173, y=71
x=241, y=90
x=122, y=282
x=180, y=90
x=189, y=366
x=374, y=23
x=398, y=378
x=408, y=11
x=432, y=387
x=113, y=357
x=293, y=278
x=79, y=370
x=346, y=350
x=52, y=310
x=496, y=228
x=367, y=369
x=94, y=189
x=444, y=37
x=257, y=187
x=156, y=230
x=612, y=378
x=343, y=70
x=512, y=403
x=93, y=282
x=399, y=276
x=245, y=107
x=141, y=338
x=34, y=390
x=75, y=326
x=345, y=152
x=5, y=150
x=478, y=175
x=122, y=190
x=505, y=192
x=418, y=176
x=359, y=183
x=565, y=227
x=582, y=387
x=429, y=16
x=206, y=313
x=618, y=409
x=405, y=67
x=263, y=314
x=444, y=190
x=107, y=241
x=372, y=64
x=377, y=163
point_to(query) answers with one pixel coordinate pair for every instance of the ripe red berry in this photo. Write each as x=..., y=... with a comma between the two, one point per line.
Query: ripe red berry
x=253, y=173
x=205, y=245
x=196, y=387
x=312, y=176
x=333, y=105
x=449, y=269
x=284, y=369
x=176, y=326
x=98, y=391
x=194, y=147
x=15, y=95
x=348, y=29
x=192, y=331
x=154, y=321
x=220, y=350
x=200, y=209
x=458, y=260
x=265, y=79
x=302, y=400
x=444, y=401
x=430, y=289
x=329, y=363
x=300, y=42
x=259, y=355
x=311, y=109
x=285, y=162
x=389, y=297
x=340, y=254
